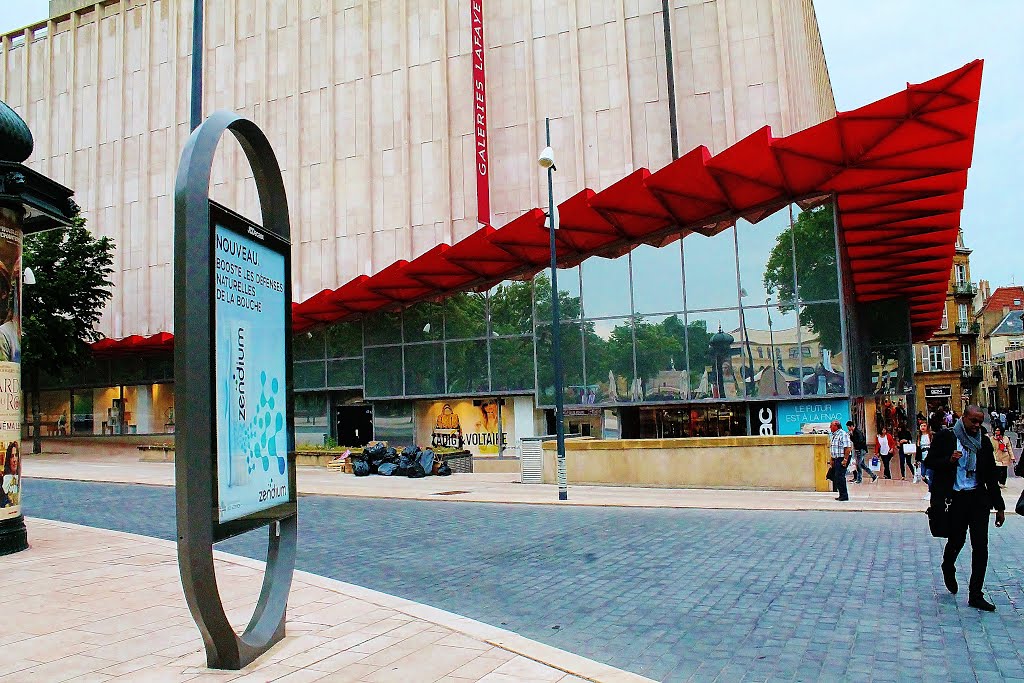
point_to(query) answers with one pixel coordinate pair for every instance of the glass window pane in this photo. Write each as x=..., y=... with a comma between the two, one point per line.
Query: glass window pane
x=308, y=345
x=346, y=373
x=661, y=357
x=766, y=259
x=467, y=367
x=512, y=364
x=393, y=422
x=82, y=416
x=715, y=362
x=569, y=302
x=512, y=308
x=424, y=369
x=424, y=322
x=308, y=375
x=606, y=287
x=383, y=371
x=311, y=419
x=572, y=364
x=772, y=334
x=345, y=340
x=823, y=357
x=710, y=266
x=658, y=278
x=465, y=316
x=609, y=362
x=815, y=236
x=383, y=328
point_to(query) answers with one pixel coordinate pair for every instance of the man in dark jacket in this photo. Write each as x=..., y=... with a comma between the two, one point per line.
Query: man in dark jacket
x=965, y=473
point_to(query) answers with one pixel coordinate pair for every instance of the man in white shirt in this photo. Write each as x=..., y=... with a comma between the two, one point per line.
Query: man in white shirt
x=840, y=448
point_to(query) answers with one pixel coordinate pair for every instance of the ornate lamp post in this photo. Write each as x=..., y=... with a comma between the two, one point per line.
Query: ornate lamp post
x=721, y=350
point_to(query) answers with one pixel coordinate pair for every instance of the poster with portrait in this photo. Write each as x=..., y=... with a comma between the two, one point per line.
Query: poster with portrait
x=470, y=424
x=10, y=372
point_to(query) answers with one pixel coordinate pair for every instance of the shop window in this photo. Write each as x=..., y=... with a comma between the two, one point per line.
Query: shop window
x=308, y=375
x=393, y=422
x=569, y=300
x=346, y=373
x=424, y=369
x=657, y=278
x=310, y=423
x=608, y=346
x=308, y=345
x=383, y=371
x=54, y=413
x=511, y=308
x=424, y=322
x=512, y=366
x=815, y=240
x=466, y=363
x=660, y=356
x=82, y=415
x=765, y=259
x=465, y=316
x=606, y=287
x=345, y=340
x=383, y=328
x=715, y=372
x=574, y=390
x=710, y=267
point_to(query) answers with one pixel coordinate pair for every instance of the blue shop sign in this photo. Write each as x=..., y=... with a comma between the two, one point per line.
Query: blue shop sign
x=811, y=417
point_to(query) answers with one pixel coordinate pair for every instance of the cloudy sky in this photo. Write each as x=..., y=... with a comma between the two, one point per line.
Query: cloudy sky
x=873, y=47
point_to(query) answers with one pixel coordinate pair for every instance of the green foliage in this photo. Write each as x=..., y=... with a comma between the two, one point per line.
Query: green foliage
x=61, y=310
x=813, y=234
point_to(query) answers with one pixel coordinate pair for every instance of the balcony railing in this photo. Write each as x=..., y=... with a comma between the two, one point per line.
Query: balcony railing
x=971, y=372
x=968, y=328
x=964, y=289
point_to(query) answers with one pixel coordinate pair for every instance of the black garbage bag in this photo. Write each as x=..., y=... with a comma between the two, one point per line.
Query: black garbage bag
x=374, y=452
x=443, y=470
x=360, y=468
x=416, y=471
x=387, y=468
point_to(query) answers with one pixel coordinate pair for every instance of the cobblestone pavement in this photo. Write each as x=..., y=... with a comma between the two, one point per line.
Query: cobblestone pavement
x=671, y=594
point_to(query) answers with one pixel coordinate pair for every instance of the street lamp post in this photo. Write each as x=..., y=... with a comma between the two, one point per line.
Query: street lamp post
x=547, y=161
x=771, y=342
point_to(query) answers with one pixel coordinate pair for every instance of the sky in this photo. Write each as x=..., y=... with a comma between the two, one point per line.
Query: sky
x=873, y=47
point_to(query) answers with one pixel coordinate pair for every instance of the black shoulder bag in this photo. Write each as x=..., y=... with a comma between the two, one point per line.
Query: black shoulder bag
x=938, y=515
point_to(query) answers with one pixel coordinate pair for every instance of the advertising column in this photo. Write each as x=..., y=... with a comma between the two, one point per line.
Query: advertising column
x=10, y=374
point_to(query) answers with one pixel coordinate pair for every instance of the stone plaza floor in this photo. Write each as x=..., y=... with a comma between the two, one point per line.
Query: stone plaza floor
x=670, y=594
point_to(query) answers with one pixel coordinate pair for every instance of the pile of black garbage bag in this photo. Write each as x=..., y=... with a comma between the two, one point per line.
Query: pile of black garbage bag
x=412, y=462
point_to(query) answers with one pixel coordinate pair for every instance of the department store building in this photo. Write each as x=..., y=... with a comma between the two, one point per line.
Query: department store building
x=751, y=277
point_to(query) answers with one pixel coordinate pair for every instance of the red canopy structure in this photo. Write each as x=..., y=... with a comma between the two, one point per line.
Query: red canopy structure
x=897, y=168
x=133, y=345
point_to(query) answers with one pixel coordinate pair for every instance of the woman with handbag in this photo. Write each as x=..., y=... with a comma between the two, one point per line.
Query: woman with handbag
x=924, y=444
x=885, y=449
x=1003, y=449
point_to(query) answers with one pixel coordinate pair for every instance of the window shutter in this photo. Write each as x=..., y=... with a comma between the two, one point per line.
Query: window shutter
x=913, y=360
x=947, y=357
x=925, y=364
x=945, y=319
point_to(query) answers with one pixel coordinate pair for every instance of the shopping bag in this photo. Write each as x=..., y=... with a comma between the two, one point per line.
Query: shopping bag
x=875, y=464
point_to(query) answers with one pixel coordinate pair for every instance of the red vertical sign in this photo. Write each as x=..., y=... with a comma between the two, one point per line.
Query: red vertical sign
x=483, y=195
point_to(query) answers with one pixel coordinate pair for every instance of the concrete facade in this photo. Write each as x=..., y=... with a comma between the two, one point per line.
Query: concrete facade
x=369, y=107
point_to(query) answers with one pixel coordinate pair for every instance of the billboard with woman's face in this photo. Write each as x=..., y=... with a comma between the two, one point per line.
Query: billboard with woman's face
x=10, y=373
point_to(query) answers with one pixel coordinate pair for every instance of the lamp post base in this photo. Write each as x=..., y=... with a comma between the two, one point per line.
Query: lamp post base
x=13, y=536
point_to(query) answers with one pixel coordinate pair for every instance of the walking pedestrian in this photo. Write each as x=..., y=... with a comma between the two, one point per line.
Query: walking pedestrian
x=860, y=453
x=885, y=449
x=1002, y=421
x=840, y=447
x=924, y=444
x=965, y=473
x=1003, y=450
x=908, y=450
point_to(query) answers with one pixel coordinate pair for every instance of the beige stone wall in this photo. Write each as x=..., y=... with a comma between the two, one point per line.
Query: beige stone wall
x=782, y=463
x=368, y=104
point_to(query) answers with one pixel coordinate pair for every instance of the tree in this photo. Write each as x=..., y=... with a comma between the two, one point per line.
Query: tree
x=62, y=308
x=813, y=235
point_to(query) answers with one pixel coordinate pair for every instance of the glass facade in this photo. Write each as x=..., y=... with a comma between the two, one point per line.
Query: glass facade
x=753, y=311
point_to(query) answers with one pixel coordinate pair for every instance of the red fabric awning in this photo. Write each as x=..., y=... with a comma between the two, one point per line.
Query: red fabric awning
x=898, y=169
x=134, y=345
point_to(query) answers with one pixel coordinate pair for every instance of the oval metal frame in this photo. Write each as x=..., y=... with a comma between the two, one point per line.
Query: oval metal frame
x=194, y=476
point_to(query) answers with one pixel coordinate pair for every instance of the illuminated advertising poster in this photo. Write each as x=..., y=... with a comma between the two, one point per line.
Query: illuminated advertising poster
x=811, y=417
x=465, y=424
x=10, y=373
x=252, y=435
